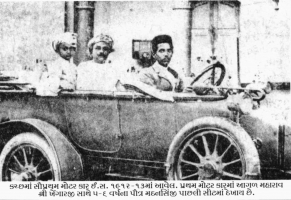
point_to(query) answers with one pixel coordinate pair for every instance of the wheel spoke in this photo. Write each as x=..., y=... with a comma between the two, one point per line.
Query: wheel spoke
x=191, y=163
x=19, y=164
x=43, y=172
x=25, y=156
x=232, y=162
x=207, y=152
x=39, y=163
x=189, y=176
x=226, y=150
x=12, y=170
x=32, y=156
x=215, y=146
x=196, y=152
x=224, y=173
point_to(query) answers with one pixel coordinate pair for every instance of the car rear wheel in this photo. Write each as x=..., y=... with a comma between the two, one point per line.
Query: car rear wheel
x=28, y=157
x=211, y=151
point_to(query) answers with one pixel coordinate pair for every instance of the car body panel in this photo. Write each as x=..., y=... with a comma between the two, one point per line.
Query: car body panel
x=287, y=148
x=257, y=128
x=93, y=123
x=265, y=123
x=147, y=129
x=132, y=126
x=27, y=105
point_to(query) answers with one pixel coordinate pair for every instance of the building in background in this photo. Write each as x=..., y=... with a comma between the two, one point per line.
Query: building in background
x=251, y=38
x=26, y=32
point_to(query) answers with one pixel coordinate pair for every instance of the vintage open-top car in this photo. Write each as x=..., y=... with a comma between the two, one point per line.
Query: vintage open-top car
x=145, y=135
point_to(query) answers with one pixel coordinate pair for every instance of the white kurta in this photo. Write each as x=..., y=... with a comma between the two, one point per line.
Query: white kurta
x=95, y=76
x=61, y=74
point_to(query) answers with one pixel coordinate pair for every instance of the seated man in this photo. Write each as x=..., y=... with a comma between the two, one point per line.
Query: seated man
x=98, y=73
x=160, y=75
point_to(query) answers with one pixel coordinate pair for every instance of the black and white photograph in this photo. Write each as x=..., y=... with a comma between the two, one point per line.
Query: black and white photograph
x=145, y=91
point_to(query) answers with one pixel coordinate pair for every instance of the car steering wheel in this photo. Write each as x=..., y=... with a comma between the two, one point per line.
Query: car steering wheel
x=213, y=75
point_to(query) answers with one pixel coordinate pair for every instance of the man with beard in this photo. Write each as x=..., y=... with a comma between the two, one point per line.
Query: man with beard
x=160, y=75
x=98, y=73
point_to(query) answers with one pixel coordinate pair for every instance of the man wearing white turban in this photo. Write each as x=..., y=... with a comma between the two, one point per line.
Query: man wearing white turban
x=98, y=73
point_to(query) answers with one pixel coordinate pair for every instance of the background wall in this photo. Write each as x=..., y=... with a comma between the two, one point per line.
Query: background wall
x=26, y=31
x=125, y=21
x=264, y=38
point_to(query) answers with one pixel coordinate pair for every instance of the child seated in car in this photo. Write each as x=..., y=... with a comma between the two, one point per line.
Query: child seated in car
x=60, y=74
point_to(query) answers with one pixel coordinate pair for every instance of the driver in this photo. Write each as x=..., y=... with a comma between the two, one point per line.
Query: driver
x=160, y=75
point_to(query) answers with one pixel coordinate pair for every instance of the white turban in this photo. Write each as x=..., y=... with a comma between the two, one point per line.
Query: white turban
x=101, y=38
x=67, y=38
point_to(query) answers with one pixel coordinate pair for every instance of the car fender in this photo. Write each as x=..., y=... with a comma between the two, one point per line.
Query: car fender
x=70, y=161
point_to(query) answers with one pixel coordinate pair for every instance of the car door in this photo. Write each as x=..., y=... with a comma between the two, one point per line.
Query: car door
x=93, y=120
x=147, y=127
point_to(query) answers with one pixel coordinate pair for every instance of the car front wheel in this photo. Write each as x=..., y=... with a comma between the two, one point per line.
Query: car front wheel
x=28, y=157
x=213, y=150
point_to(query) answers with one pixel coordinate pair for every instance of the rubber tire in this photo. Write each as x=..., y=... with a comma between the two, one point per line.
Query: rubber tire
x=36, y=140
x=237, y=133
